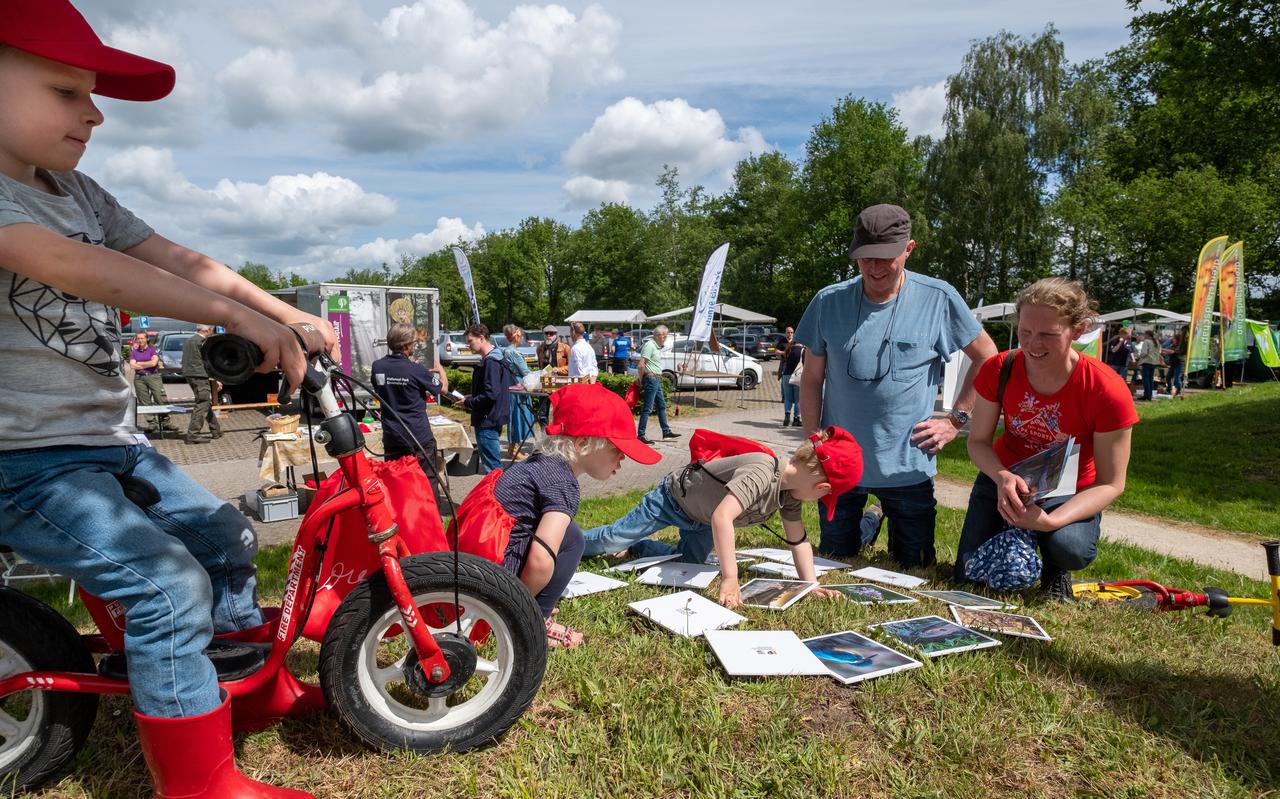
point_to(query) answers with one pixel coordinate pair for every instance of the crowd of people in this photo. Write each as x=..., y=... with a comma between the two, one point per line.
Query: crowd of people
x=862, y=370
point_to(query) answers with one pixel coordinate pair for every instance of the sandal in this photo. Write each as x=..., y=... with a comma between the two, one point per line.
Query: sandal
x=562, y=637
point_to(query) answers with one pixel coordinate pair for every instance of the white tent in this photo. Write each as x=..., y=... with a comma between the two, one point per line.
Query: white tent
x=723, y=310
x=1000, y=310
x=1138, y=312
x=629, y=317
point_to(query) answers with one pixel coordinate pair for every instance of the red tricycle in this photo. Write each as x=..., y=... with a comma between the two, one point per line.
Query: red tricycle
x=430, y=650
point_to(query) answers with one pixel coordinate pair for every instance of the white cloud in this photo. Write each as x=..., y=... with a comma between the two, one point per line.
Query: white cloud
x=326, y=261
x=177, y=119
x=424, y=72
x=285, y=212
x=630, y=142
x=586, y=191
x=921, y=107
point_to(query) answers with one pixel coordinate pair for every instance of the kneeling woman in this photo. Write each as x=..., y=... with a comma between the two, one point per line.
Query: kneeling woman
x=1048, y=391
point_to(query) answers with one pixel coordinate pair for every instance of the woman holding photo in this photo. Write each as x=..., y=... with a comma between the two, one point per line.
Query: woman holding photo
x=1050, y=392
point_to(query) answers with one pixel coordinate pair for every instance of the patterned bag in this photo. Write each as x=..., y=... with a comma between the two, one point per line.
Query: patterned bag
x=1007, y=562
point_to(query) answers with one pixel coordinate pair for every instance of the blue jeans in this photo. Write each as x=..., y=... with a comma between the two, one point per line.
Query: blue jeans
x=656, y=511
x=1173, y=376
x=183, y=568
x=1067, y=549
x=1148, y=380
x=652, y=388
x=489, y=442
x=911, y=511
x=790, y=396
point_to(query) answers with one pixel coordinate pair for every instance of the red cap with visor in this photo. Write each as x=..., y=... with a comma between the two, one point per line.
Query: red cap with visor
x=841, y=461
x=55, y=30
x=590, y=409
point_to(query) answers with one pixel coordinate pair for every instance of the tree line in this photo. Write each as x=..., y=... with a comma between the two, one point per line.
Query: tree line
x=1113, y=171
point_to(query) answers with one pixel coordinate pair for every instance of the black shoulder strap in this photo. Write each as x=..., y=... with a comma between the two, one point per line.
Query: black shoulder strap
x=1006, y=369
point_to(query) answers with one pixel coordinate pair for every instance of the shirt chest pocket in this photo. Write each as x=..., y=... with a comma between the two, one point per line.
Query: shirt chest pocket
x=911, y=358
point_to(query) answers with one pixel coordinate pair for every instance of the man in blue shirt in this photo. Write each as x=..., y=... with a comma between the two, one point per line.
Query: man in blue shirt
x=621, y=352
x=877, y=345
x=490, y=399
x=402, y=386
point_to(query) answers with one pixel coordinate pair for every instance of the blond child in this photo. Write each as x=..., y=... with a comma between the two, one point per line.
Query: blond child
x=707, y=501
x=70, y=255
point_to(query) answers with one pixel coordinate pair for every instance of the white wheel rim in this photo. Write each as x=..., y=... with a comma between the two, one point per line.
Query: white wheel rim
x=17, y=736
x=374, y=680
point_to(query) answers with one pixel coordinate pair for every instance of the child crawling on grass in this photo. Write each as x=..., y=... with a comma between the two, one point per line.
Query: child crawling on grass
x=591, y=432
x=707, y=500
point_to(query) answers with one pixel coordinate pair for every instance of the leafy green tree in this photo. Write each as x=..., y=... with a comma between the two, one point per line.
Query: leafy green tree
x=542, y=244
x=259, y=275
x=1005, y=131
x=759, y=215
x=612, y=262
x=855, y=157
x=367, y=277
x=683, y=234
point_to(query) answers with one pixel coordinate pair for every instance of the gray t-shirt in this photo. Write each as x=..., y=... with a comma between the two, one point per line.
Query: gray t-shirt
x=60, y=363
x=754, y=478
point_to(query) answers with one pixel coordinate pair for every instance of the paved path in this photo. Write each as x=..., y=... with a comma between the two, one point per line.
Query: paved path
x=229, y=468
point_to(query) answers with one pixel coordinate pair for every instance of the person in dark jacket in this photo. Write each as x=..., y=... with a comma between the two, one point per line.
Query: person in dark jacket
x=403, y=386
x=490, y=399
x=202, y=388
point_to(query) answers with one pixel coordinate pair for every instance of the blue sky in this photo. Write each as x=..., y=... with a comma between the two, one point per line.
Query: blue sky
x=317, y=135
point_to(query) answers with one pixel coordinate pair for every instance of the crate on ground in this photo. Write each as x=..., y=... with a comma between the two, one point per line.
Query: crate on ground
x=278, y=507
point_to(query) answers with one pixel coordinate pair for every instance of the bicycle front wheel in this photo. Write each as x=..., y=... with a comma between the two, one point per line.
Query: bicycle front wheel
x=495, y=645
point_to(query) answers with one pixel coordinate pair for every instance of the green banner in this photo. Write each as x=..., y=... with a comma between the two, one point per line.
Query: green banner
x=1231, y=297
x=1264, y=339
x=1201, y=329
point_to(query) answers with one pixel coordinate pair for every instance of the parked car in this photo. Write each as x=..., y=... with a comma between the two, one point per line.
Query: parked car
x=453, y=349
x=692, y=364
x=530, y=352
x=170, y=344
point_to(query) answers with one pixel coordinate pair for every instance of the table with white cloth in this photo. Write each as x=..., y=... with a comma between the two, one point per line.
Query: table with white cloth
x=280, y=453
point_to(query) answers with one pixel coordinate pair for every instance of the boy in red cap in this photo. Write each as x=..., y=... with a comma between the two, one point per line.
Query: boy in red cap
x=707, y=501
x=592, y=431
x=70, y=254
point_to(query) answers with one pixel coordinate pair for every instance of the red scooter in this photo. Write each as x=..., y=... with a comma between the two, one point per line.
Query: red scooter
x=431, y=651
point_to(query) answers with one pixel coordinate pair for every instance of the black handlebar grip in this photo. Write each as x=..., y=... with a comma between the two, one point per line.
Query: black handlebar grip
x=1273, y=557
x=230, y=358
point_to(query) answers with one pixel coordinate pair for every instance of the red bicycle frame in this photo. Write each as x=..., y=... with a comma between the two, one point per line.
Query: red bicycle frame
x=273, y=692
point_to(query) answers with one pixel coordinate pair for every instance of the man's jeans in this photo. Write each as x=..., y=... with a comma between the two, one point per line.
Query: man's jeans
x=910, y=510
x=652, y=388
x=1148, y=380
x=656, y=511
x=489, y=442
x=1067, y=549
x=790, y=396
x=183, y=568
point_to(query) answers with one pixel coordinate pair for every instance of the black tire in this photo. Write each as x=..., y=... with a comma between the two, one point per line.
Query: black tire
x=53, y=725
x=748, y=381
x=669, y=377
x=376, y=702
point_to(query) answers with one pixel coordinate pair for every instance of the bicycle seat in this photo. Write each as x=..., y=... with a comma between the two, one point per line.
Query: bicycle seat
x=139, y=491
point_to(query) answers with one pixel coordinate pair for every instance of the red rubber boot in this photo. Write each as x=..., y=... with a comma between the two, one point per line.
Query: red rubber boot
x=192, y=758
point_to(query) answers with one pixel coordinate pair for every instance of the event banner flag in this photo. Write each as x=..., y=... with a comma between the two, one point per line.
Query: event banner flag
x=1266, y=344
x=464, y=269
x=1090, y=343
x=705, y=310
x=1202, y=305
x=1231, y=297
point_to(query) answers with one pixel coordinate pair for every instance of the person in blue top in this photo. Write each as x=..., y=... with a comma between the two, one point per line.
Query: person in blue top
x=621, y=352
x=403, y=386
x=521, y=423
x=876, y=349
x=490, y=399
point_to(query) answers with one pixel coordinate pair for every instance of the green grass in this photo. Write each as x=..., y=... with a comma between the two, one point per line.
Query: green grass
x=1211, y=459
x=1122, y=704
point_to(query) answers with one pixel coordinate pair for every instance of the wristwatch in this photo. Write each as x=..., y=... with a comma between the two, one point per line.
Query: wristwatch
x=959, y=418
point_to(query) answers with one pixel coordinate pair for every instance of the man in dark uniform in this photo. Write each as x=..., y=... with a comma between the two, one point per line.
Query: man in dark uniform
x=402, y=386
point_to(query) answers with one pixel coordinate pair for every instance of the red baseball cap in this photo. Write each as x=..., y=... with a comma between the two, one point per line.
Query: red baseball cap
x=55, y=30
x=590, y=409
x=841, y=461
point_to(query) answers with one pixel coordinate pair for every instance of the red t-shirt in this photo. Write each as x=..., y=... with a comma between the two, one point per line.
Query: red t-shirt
x=1094, y=400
